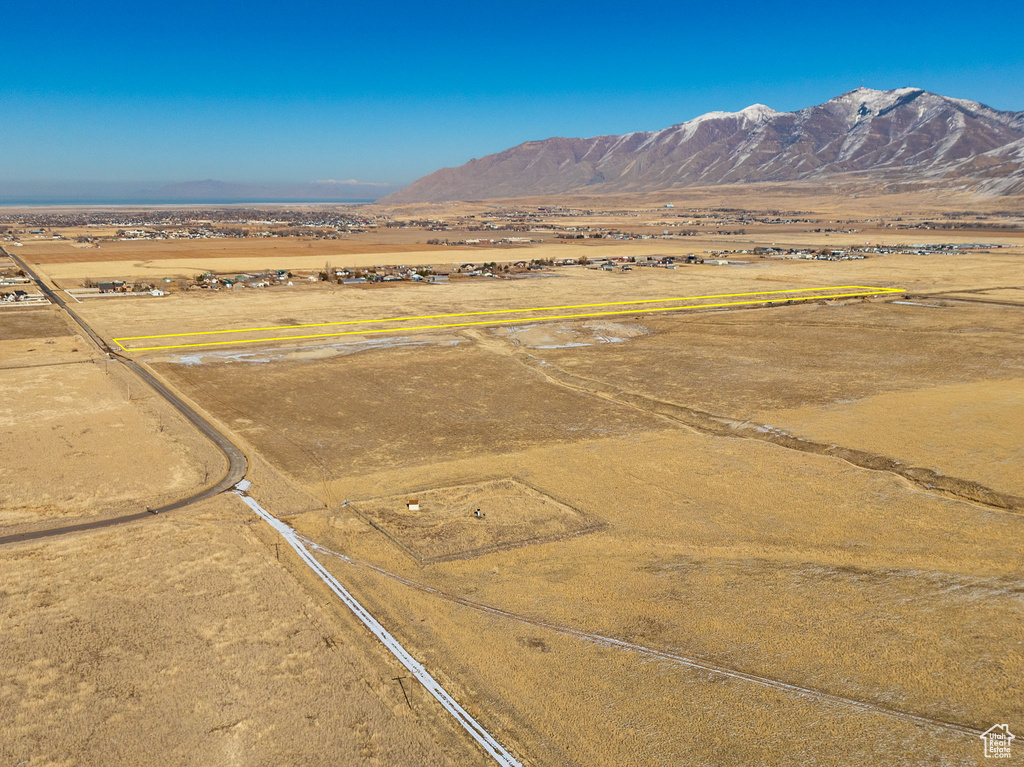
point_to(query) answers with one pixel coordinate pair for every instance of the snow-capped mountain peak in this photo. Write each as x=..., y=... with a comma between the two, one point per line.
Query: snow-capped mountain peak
x=904, y=134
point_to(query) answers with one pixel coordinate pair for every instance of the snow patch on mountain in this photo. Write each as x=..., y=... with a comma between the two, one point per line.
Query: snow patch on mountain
x=903, y=135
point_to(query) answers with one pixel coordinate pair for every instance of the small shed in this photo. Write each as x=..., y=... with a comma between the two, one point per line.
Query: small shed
x=412, y=504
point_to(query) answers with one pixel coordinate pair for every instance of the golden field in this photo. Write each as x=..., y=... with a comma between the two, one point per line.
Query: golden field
x=80, y=436
x=182, y=642
x=752, y=535
x=753, y=556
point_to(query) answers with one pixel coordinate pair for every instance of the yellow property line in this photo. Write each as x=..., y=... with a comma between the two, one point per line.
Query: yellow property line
x=870, y=291
x=496, y=311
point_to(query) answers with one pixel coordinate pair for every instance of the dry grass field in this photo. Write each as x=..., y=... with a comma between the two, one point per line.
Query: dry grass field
x=965, y=430
x=86, y=439
x=739, y=552
x=201, y=311
x=38, y=335
x=24, y=324
x=779, y=564
x=81, y=437
x=181, y=642
x=403, y=406
x=1010, y=296
x=156, y=259
x=754, y=536
x=46, y=252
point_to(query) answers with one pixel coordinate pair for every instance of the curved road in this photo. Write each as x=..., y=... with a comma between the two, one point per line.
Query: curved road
x=237, y=468
x=238, y=465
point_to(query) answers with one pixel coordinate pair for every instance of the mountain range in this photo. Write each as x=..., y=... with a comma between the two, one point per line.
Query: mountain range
x=887, y=138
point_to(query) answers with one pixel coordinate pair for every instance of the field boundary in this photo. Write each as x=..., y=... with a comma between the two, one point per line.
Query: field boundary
x=860, y=291
x=591, y=524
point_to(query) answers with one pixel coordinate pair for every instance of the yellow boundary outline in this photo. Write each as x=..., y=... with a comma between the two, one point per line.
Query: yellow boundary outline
x=870, y=291
x=496, y=311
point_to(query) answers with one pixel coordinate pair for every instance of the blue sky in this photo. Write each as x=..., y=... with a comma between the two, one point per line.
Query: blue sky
x=288, y=92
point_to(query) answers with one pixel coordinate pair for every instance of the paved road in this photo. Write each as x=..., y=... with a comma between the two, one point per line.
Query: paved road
x=52, y=295
x=238, y=465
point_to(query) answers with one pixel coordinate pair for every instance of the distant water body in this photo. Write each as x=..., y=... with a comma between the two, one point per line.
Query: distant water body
x=46, y=202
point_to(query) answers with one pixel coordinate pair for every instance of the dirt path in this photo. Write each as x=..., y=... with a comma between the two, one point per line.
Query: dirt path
x=696, y=663
x=709, y=424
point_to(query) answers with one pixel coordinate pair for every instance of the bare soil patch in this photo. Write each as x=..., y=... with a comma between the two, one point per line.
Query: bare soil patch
x=466, y=521
x=555, y=335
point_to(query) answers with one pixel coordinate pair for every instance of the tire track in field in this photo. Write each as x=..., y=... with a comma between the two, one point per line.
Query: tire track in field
x=699, y=664
x=921, y=479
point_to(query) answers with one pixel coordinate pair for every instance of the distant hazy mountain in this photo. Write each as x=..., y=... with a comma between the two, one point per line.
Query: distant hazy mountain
x=329, y=190
x=898, y=136
x=126, y=192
